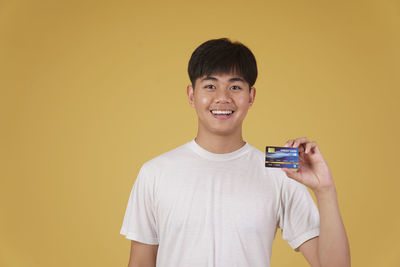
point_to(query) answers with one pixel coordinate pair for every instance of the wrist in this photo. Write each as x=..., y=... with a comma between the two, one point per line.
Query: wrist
x=325, y=193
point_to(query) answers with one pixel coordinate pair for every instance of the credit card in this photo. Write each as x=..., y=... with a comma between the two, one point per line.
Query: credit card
x=282, y=157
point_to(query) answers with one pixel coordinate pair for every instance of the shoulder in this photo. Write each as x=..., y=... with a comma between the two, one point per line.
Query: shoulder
x=169, y=159
x=255, y=152
x=258, y=157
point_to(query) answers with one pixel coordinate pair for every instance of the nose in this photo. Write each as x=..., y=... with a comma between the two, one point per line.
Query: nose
x=222, y=96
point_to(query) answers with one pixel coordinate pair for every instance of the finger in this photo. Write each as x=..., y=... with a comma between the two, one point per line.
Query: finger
x=289, y=143
x=317, y=148
x=310, y=146
x=300, y=141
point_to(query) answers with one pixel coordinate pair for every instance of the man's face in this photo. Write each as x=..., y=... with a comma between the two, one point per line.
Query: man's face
x=221, y=102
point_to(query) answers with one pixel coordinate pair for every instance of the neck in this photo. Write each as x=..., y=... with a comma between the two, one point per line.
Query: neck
x=220, y=144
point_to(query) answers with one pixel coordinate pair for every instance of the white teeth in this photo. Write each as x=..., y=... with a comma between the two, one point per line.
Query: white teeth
x=222, y=112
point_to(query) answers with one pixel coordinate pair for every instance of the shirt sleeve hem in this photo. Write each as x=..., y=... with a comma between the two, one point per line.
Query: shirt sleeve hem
x=139, y=238
x=295, y=243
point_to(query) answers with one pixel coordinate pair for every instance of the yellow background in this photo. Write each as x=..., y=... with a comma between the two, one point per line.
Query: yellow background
x=90, y=90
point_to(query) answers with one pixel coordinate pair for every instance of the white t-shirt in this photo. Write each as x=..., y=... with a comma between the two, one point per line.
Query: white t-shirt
x=216, y=210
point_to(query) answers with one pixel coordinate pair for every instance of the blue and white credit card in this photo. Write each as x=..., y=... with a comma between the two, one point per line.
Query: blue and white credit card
x=282, y=157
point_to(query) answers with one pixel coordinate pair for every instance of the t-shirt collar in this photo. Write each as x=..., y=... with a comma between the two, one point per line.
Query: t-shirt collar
x=215, y=156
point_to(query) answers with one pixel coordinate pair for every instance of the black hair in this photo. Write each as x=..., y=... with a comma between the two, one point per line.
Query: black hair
x=222, y=56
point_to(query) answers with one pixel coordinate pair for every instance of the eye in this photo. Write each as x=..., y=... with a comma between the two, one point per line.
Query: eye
x=209, y=86
x=235, y=87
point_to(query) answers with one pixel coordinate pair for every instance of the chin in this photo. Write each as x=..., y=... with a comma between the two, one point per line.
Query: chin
x=222, y=132
x=219, y=128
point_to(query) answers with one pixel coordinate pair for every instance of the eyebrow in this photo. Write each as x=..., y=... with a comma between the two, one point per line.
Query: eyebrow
x=211, y=78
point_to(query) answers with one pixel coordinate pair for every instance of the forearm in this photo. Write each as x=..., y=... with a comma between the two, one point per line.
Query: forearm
x=333, y=246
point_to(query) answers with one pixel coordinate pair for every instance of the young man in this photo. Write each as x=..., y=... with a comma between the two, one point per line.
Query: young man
x=212, y=202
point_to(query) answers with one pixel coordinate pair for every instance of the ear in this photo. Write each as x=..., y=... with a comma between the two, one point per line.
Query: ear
x=252, y=95
x=190, y=94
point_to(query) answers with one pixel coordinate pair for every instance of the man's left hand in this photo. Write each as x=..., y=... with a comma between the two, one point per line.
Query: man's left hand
x=313, y=170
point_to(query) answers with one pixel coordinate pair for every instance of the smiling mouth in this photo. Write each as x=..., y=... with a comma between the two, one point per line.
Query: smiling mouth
x=222, y=114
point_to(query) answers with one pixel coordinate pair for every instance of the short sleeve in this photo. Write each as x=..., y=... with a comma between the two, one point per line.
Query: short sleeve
x=298, y=216
x=140, y=222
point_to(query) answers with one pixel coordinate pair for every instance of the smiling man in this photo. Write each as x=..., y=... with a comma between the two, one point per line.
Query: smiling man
x=212, y=203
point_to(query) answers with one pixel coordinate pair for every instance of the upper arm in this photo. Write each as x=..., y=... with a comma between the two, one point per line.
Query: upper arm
x=309, y=249
x=142, y=255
